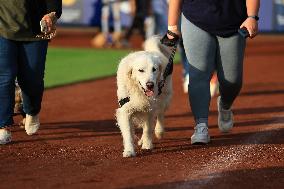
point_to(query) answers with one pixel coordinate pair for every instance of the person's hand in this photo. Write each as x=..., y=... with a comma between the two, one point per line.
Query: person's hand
x=50, y=20
x=170, y=38
x=251, y=25
x=48, y=26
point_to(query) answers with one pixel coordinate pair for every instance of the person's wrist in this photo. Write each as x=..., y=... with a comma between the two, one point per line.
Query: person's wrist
x=254, y=17
x=172, y=27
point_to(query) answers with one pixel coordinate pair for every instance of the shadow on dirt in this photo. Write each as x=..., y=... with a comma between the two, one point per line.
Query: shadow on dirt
x=72, y=130
x=238, y=111
x=108, y=125
x=264, y=92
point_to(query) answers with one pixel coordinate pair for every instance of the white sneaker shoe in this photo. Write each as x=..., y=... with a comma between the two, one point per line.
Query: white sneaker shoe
x=31, y=124
x=225, y=118
x=185, y=83
x=200, y=135
x=5, y=136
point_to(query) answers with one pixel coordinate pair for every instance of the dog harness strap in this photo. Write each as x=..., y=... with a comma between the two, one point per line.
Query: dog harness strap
x=123, y=101
x=168, y=70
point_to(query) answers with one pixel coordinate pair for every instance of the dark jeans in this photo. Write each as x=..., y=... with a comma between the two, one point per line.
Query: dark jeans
x=26, y=62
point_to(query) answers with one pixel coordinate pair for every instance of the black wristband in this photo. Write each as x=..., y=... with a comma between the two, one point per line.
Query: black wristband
x=254, y=16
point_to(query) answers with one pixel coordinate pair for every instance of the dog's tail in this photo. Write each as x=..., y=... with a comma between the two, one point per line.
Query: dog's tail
x=153, y=44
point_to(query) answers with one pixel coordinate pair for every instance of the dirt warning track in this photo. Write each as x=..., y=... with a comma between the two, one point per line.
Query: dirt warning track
x=79, y=145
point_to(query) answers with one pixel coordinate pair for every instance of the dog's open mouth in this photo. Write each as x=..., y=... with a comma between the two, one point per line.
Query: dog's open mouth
x=147, y=92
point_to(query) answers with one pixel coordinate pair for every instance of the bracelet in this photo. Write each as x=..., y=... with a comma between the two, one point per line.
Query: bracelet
x=171, y=28
x=254, y=17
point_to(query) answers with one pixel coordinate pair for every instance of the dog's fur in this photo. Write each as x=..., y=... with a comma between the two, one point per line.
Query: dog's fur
x=138, y=75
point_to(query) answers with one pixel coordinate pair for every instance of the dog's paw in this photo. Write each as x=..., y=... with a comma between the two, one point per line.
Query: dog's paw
x=129, y=154
x=147, y=146
x=159, y=134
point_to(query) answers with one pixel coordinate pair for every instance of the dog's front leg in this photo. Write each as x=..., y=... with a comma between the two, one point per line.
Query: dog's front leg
x=159, y=129
x=123, y=120
x=147, y=139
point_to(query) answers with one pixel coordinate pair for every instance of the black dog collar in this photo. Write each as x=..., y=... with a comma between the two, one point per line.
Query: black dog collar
x=123, y=101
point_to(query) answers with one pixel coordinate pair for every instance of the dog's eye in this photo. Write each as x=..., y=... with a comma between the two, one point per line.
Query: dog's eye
x=154, y=69
x=140, y=70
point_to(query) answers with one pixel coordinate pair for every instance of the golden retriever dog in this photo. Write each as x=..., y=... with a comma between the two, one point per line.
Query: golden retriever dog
x=141, y=105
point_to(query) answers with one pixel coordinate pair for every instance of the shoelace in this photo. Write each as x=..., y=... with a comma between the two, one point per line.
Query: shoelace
x=201, y=129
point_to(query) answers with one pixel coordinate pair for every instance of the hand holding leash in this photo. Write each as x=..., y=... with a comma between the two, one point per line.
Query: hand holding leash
x=170, y=42
x=48, y=26
x=169, y=68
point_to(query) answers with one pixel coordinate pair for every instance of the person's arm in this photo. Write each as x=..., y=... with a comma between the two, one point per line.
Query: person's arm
x=251, y=23
x=171, y=38
x=174, y=15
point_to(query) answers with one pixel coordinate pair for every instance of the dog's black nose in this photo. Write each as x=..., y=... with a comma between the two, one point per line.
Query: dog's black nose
x=150, y=85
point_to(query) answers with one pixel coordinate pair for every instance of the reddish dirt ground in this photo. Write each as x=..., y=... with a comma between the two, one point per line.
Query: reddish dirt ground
x=79, y=145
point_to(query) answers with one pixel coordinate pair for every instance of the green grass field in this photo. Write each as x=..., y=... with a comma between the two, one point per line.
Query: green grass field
x=71, y=65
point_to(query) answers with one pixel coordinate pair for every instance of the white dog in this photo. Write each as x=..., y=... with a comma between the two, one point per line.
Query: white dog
x=138, y=76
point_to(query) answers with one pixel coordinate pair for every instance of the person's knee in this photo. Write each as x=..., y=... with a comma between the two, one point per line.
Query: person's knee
x=230, y=88
x=235, y=83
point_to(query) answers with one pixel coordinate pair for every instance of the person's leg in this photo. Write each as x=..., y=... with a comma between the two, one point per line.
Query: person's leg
x=141, y=26
x=230, y=68
x=230, y=73
x=8, y=72
x=105, y=19
x=116, y=17
x=200, y=48
x=31, y=80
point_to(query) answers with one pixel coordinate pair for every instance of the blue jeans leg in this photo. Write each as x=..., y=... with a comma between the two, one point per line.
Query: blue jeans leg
x=32, y=56
x=8, y=72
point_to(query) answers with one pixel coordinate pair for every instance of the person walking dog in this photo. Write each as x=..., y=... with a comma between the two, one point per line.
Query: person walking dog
x=25, y=29
x=212, y=42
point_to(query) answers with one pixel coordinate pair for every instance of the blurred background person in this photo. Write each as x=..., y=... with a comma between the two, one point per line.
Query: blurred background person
x=159, y=11
x=110, y=34
x=140, y=9
x=111, y=7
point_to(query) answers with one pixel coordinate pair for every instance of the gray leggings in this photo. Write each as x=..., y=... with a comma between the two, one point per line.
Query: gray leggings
x=207, y=53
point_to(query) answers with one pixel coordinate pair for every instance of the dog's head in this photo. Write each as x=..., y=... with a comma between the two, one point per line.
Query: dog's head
x=144, y=69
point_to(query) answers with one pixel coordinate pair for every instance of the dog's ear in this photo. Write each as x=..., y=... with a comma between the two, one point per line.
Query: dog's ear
x=124, y=72
x=125, y=67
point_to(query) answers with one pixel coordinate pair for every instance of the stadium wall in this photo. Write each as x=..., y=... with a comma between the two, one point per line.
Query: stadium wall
x=88, y=13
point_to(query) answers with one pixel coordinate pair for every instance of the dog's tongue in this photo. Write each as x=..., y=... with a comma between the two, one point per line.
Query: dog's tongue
x=149, y=93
